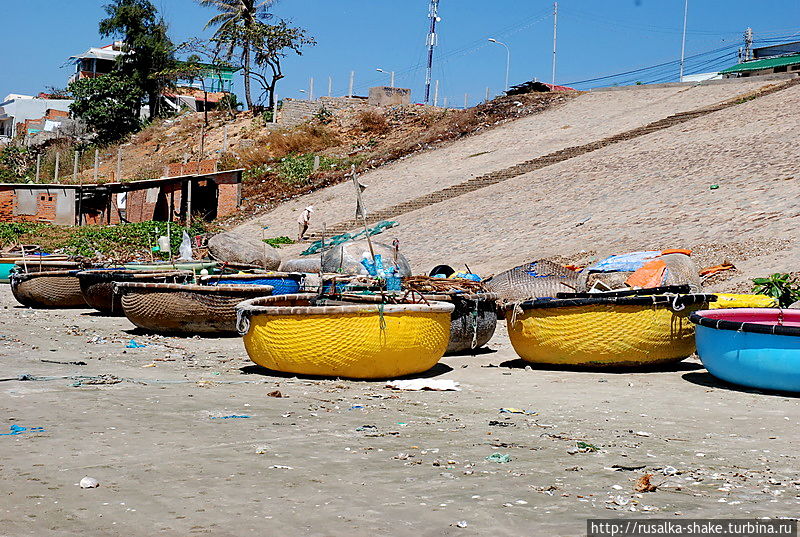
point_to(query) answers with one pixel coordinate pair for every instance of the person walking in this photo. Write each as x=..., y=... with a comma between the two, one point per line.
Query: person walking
x=303, y=221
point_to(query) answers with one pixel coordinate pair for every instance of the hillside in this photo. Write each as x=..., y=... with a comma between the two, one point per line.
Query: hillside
x=650, y=191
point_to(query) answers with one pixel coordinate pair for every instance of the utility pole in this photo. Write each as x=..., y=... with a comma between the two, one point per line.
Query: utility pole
x=748, y=44
x=311, y=89
x=433, y=15
x=555, y=36
x=330, y=86
x=436, y=94
x=466, y=100
x=683, y=41
x=352, y=80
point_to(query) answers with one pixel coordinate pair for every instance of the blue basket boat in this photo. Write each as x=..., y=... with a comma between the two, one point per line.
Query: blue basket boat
x=755, y=347
x=282, y=283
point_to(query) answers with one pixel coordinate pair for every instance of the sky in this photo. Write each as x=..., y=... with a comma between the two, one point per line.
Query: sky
x=596, y=38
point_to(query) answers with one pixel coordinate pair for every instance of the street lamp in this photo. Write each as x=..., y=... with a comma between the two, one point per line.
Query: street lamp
x=508, y=56
x=390, y=73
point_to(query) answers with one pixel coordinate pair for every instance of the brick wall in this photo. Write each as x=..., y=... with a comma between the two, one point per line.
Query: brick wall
x=228, y=199
x=295, y=111
x=191, y=168
x=6, y=205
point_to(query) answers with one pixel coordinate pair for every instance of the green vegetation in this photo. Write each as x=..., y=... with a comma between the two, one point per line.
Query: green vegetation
x=16, y=164
x=783, y=287
x=276, y=242
x=297, y=169
x=120, y=241
x=10, y=232
x=108, y=104
x=148, y=48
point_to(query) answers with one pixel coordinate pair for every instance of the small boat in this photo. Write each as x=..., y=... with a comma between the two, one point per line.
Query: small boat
x=613, y=330
x=48, y=289
x=755, y=347
x=8, y=263
x=308, y=335
x=97, y=285
x=283, y=283
x=195, y=266
x=473, y=321
x=173, y=308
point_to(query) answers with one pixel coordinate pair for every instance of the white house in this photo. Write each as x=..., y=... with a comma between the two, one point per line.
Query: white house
x=15, y=110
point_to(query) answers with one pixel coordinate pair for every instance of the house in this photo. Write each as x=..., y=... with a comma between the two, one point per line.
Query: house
x=203, y=90
x=201, y=192
x=97, y=61
x=783, y=58
x=24, y=114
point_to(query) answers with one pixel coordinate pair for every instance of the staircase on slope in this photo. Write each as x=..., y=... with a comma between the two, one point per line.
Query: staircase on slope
x=492, y=178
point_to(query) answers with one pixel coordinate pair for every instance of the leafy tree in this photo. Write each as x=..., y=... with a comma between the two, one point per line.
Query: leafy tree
x=148, y=48
x=108, y=104
x=235, y=31
x=272, y=42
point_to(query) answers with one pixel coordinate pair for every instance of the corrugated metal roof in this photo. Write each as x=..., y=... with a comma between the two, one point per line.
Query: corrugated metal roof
x=767, y=63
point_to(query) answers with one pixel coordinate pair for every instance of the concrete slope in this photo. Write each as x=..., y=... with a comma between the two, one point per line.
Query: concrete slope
x=589, y=117
x=650, y=192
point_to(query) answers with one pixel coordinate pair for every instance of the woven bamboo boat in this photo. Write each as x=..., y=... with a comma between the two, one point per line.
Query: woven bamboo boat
x=97, y=285
x=8, y=263
x=283, y=283
x=473, y=321
x=305, y=335
x=185, y=309
x=48, y=289
x=610, y=331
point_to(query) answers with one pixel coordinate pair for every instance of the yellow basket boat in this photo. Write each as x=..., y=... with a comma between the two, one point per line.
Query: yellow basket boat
x=610, y=331
x=727, y=300
x=306, y=335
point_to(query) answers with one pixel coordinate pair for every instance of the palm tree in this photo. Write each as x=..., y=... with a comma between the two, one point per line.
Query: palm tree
x=234, y=24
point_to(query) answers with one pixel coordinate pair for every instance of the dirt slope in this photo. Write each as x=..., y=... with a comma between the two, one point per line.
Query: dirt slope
x=650, y=192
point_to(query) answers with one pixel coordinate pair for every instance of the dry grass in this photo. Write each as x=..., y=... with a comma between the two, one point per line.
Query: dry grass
x=373, y=122
x=275, y=145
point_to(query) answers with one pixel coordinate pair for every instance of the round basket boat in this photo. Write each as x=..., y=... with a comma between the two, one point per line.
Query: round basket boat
x=610, y=331
x=8, y=263
x=172, y=308
x=304, y=335
x=283, y=283
x=97, y=285
x=755, y=347
x=473, y=321
x=48, y=289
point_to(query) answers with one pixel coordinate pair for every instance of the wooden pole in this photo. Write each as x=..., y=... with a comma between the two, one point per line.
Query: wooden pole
x=118, y=175
x=75, y=166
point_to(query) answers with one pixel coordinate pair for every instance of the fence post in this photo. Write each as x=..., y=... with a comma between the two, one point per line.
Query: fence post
x=58, y=162
x=96, y=164
x=38, y=165
x=75, y=166
x=225, y=139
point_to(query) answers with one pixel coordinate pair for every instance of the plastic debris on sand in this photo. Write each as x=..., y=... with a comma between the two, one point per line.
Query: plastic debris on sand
x=424, y=384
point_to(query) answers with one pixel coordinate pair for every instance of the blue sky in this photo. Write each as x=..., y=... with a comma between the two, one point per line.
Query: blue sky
x=595, y=38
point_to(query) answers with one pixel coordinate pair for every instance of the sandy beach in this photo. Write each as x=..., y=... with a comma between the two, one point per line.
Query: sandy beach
x=337, y=457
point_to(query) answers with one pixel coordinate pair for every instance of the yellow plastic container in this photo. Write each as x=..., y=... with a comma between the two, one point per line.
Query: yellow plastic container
x=605, y=332
x=727, y=300
x=286, y=333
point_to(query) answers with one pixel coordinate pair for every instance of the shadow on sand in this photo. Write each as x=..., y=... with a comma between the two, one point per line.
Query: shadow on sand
x=519, y=363
x=435, y=371
x=708, y=380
